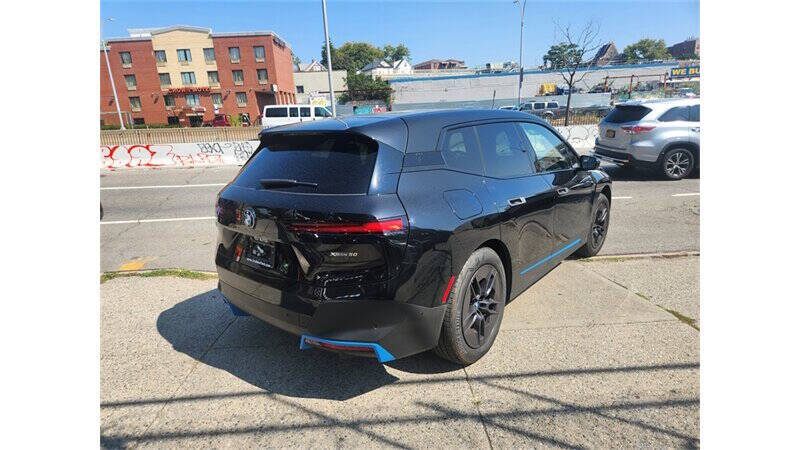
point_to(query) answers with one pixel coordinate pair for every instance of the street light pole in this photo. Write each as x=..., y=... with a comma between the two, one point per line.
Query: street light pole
x=521, y=25
x=330, y=57
x=111, y=76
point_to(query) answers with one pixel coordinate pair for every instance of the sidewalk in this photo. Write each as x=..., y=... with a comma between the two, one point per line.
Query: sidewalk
x=581, y=360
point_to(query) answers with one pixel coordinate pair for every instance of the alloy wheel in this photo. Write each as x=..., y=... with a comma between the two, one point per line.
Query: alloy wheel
x=479, y=307
x=678, y=164
x=599, y=226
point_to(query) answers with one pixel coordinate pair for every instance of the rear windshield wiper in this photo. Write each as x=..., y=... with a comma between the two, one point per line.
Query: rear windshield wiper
x=279, y=182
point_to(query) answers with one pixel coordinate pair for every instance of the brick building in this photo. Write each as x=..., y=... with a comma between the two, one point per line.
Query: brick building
x=185, y=75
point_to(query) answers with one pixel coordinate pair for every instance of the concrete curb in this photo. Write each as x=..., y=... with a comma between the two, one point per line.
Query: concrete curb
x=641, y=256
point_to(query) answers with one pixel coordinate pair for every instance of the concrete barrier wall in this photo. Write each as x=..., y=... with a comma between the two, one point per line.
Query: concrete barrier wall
x=579, y=136
x=176, y=155
x=238, y=152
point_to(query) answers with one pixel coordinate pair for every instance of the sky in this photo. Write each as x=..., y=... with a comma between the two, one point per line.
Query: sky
x=475, y=31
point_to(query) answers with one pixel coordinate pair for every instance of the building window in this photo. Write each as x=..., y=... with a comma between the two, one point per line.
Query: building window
x=187, y=78
x=241, y=98
x=233, y=53
x=130, y=81
x=138, y=121
x=213, y=78
x=258, y=52
x=136, y=104
x=192, y=99
x=238, y=77
x=216, y=99
x=262, y=75
x=184, y=55
x=208, y=54
x=172, y=120
x=164, y=79
x=161, y=56
x=169, y=101
x=126, y=58
x=300, y=90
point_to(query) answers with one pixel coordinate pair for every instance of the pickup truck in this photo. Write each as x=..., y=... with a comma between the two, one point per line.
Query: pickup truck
x=547, y=109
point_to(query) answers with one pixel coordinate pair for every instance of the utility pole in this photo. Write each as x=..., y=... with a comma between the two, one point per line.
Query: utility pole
x=330, y=57
x=521, y=25
x=111, y=76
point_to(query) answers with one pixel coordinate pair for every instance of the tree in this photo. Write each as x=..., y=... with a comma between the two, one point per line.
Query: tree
x=568, y=55
x=392, y=54
x=352, y=56
x=361, y=86
x=646, y=50
x=296, y=60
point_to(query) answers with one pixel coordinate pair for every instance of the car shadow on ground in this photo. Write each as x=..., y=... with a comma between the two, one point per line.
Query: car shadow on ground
x=270, y=359
x=618, y=173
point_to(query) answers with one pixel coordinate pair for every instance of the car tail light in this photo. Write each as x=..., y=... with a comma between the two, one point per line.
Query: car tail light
x=637, y=129
x=376, y=227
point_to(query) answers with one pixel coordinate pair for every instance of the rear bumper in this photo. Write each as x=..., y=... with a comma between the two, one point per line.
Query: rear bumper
x=616, y=156
x=393, y=329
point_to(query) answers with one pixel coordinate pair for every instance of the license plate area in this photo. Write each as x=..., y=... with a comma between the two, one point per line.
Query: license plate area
x=610, y=134
x=260, y=254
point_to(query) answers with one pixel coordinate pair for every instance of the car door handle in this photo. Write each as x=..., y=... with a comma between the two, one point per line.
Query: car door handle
x=696, y=129
x=562, y=191
x=516, y=201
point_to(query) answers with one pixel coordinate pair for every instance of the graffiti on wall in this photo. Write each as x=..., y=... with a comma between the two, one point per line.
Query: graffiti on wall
x=166, y=155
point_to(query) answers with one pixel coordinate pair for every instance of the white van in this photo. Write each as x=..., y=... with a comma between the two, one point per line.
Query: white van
x=274, y=115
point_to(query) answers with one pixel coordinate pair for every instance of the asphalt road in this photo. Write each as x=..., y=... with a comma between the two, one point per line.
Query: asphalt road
x=163, y=218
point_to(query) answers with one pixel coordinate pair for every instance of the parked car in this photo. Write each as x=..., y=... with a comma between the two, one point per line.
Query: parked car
x=274, y=115
x=393, y=234
x=219, y=120
x=659, y=134
x=542, y=109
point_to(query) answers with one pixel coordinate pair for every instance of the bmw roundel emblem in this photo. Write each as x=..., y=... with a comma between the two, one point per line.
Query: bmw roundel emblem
x=250, y=217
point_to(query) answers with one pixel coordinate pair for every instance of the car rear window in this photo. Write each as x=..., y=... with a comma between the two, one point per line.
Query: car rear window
x=627, y=113
x=340, y=163
x=276, y=112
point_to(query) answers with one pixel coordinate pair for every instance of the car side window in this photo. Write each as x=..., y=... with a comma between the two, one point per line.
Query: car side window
x=538, y=106
x=503, y=155
x=525, y=107
x=552, y=105
x=675, y=114
x=551, y=152
x=305, y=111
x=460, y=151
x=694, y=113
x=293, y=112
x=321, y=112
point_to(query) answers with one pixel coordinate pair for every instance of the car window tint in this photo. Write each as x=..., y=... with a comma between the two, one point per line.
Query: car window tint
x=627, y=113
x=321, y=112
x=461, y=152
x=694, y=113
x=551, y=152
x=293, y=112
x=305, y=111
x=503, y=156
x=675, y=114
x=525, y=107
x=552, y=105
x=276, y=112
x=538, y=106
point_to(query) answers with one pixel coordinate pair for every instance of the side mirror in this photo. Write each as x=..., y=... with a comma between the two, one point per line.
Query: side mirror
x=589, y=162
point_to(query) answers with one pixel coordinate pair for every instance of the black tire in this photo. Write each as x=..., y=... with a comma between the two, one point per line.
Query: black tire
x=601, y=218
x=101, y=211
x=677, y=163
x=458, y=342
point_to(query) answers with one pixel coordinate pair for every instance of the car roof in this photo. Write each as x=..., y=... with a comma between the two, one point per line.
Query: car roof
x=662, y=102
x=409, y=131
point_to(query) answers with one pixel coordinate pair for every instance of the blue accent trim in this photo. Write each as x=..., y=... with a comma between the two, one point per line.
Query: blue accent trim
x=527, y=72
x=547, y=258
x=381, y=353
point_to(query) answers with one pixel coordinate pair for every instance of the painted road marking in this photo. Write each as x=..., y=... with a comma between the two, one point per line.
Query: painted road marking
x=134, y=264
x=176, y=219
x=685, y=195
x=120, y=188
x=620, y=198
